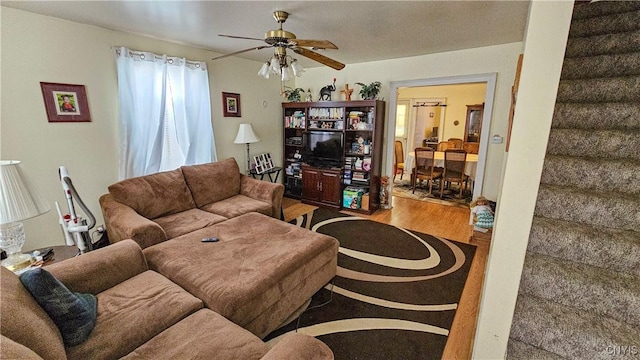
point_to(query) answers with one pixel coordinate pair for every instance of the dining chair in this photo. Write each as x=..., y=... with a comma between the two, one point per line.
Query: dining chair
x=457, y=143
x=443, y=145
x=471, y=148
x=398, y=160
x=455, y=161
x=424, y=168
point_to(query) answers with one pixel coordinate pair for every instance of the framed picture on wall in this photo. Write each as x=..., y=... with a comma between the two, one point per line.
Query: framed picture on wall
x=65, y=102
x=230, y=104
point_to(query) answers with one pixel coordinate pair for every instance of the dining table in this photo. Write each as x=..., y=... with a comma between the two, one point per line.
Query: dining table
x=469, y=168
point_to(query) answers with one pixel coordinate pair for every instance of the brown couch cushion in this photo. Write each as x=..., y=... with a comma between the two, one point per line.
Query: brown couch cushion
x=10, y=349
x=203, y=335
x=256, y=264
x=25, y=322
x=133, y=312
x=154, y=195
x=238, y=205
x=213, y=181
x=185, y=222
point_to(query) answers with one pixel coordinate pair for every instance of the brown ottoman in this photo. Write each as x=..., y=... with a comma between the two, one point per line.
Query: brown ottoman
x=259, y=273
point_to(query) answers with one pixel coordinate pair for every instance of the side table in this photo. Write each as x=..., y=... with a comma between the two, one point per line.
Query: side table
x=276, y=170
x=60, y=252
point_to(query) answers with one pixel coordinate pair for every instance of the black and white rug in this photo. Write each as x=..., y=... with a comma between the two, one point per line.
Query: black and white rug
x=395, y=294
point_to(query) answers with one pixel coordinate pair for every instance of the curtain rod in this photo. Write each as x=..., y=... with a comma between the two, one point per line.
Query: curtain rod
x=157, y=57
x=425, y=104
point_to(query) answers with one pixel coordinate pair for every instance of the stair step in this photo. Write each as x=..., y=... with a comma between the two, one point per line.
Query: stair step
x=616, y=89
x=603, y=44
x=601, y=66
x=600, y=8
x=517, y=350
x=614, y=249
x=597, y=116
x=590, y=288
x=570, y=332
x=605, y=144
x=605, y=24
x=588, y=207
x=602, y=175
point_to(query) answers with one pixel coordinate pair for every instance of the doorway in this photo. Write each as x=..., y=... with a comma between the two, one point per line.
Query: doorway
x=398, y=87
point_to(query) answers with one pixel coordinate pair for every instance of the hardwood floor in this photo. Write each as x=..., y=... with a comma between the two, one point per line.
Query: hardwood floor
x=450, y=222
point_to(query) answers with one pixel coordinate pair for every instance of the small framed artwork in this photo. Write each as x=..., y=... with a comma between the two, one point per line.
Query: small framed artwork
x=65, y=102
x=263, y=163
x=230, y=104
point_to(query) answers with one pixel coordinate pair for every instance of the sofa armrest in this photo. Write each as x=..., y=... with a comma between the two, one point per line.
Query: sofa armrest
x=101, y=269
x=264, y=191
x=123, y=222
x=299, y=347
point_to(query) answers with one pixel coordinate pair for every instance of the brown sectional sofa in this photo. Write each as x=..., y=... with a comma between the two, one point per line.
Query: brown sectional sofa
x=141, y=315
x=154, y=208
x=259, y=275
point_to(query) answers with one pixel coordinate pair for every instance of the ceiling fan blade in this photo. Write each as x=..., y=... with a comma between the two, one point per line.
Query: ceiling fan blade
x=318, y=44
x=242, y=51
x=240, y=37
x=319, y=58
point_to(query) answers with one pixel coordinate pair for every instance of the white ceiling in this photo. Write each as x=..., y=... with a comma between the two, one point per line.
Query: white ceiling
x=363, y=30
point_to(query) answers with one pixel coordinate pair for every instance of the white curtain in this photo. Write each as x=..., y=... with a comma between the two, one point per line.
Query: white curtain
x=165, y=113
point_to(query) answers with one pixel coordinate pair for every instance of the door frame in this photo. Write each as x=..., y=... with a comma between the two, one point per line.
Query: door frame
x=488, y=78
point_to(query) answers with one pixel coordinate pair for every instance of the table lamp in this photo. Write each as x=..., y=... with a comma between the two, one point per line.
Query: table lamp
x=19, y=200
x=246, y=136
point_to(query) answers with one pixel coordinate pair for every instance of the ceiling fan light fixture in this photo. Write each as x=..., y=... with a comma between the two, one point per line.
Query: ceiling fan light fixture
x=264, y=70
x=286, y=73
x=275, y=66
x=296, y=67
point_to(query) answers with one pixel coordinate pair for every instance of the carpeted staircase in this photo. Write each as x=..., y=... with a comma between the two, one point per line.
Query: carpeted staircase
x=579, y=295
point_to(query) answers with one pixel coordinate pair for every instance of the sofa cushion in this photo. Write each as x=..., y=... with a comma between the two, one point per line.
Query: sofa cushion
x=22, y=317
x=13, y=350
x=210, y=336
x=260, y=268
x=154, y=195
x=187, y=221
x=74, y=313
x=238, y=205
x=213, y=181
x=133, y=312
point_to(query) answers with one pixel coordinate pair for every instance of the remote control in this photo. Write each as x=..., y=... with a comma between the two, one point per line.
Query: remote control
x=211, y=239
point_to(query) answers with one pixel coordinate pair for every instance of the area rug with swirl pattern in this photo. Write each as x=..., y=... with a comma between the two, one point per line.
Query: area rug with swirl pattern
x=395, y=294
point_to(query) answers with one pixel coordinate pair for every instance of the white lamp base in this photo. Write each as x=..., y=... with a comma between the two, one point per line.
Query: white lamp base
x=11, y=241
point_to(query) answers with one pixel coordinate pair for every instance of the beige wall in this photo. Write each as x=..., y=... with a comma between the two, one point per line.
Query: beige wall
x=546, y=36
x=457, y=98
x=38, y=48
x=500, y=59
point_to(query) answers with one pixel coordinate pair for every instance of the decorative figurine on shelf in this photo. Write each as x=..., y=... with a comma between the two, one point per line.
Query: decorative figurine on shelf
x=347, y=92
x=293, y=95
x=325, y=92
x=309, y=97
x=369, y=92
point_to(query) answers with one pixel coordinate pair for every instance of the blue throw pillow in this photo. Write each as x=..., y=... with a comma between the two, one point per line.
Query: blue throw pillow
x=73, y=313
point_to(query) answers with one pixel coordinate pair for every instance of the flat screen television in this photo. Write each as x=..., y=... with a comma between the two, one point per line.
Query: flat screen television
x=323, y=148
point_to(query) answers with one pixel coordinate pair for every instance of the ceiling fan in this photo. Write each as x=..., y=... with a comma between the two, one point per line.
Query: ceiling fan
x=282, y=40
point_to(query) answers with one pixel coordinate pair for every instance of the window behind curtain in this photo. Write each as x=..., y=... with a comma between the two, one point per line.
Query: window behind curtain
x=165, y=113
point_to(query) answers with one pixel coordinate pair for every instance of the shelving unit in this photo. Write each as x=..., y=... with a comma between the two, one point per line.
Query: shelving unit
x=362, y=123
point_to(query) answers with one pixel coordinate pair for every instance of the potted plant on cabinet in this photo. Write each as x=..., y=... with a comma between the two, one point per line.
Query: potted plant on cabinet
x=369, y=92
x=293, y=95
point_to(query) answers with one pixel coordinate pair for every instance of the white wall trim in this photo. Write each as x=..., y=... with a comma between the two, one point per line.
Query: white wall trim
x=488, y=78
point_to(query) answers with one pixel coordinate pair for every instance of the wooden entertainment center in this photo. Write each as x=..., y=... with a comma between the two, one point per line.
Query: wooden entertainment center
x=318, y=172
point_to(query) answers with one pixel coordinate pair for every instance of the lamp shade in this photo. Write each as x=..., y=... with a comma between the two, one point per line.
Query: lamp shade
x=246, y=135
x=19, y=199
